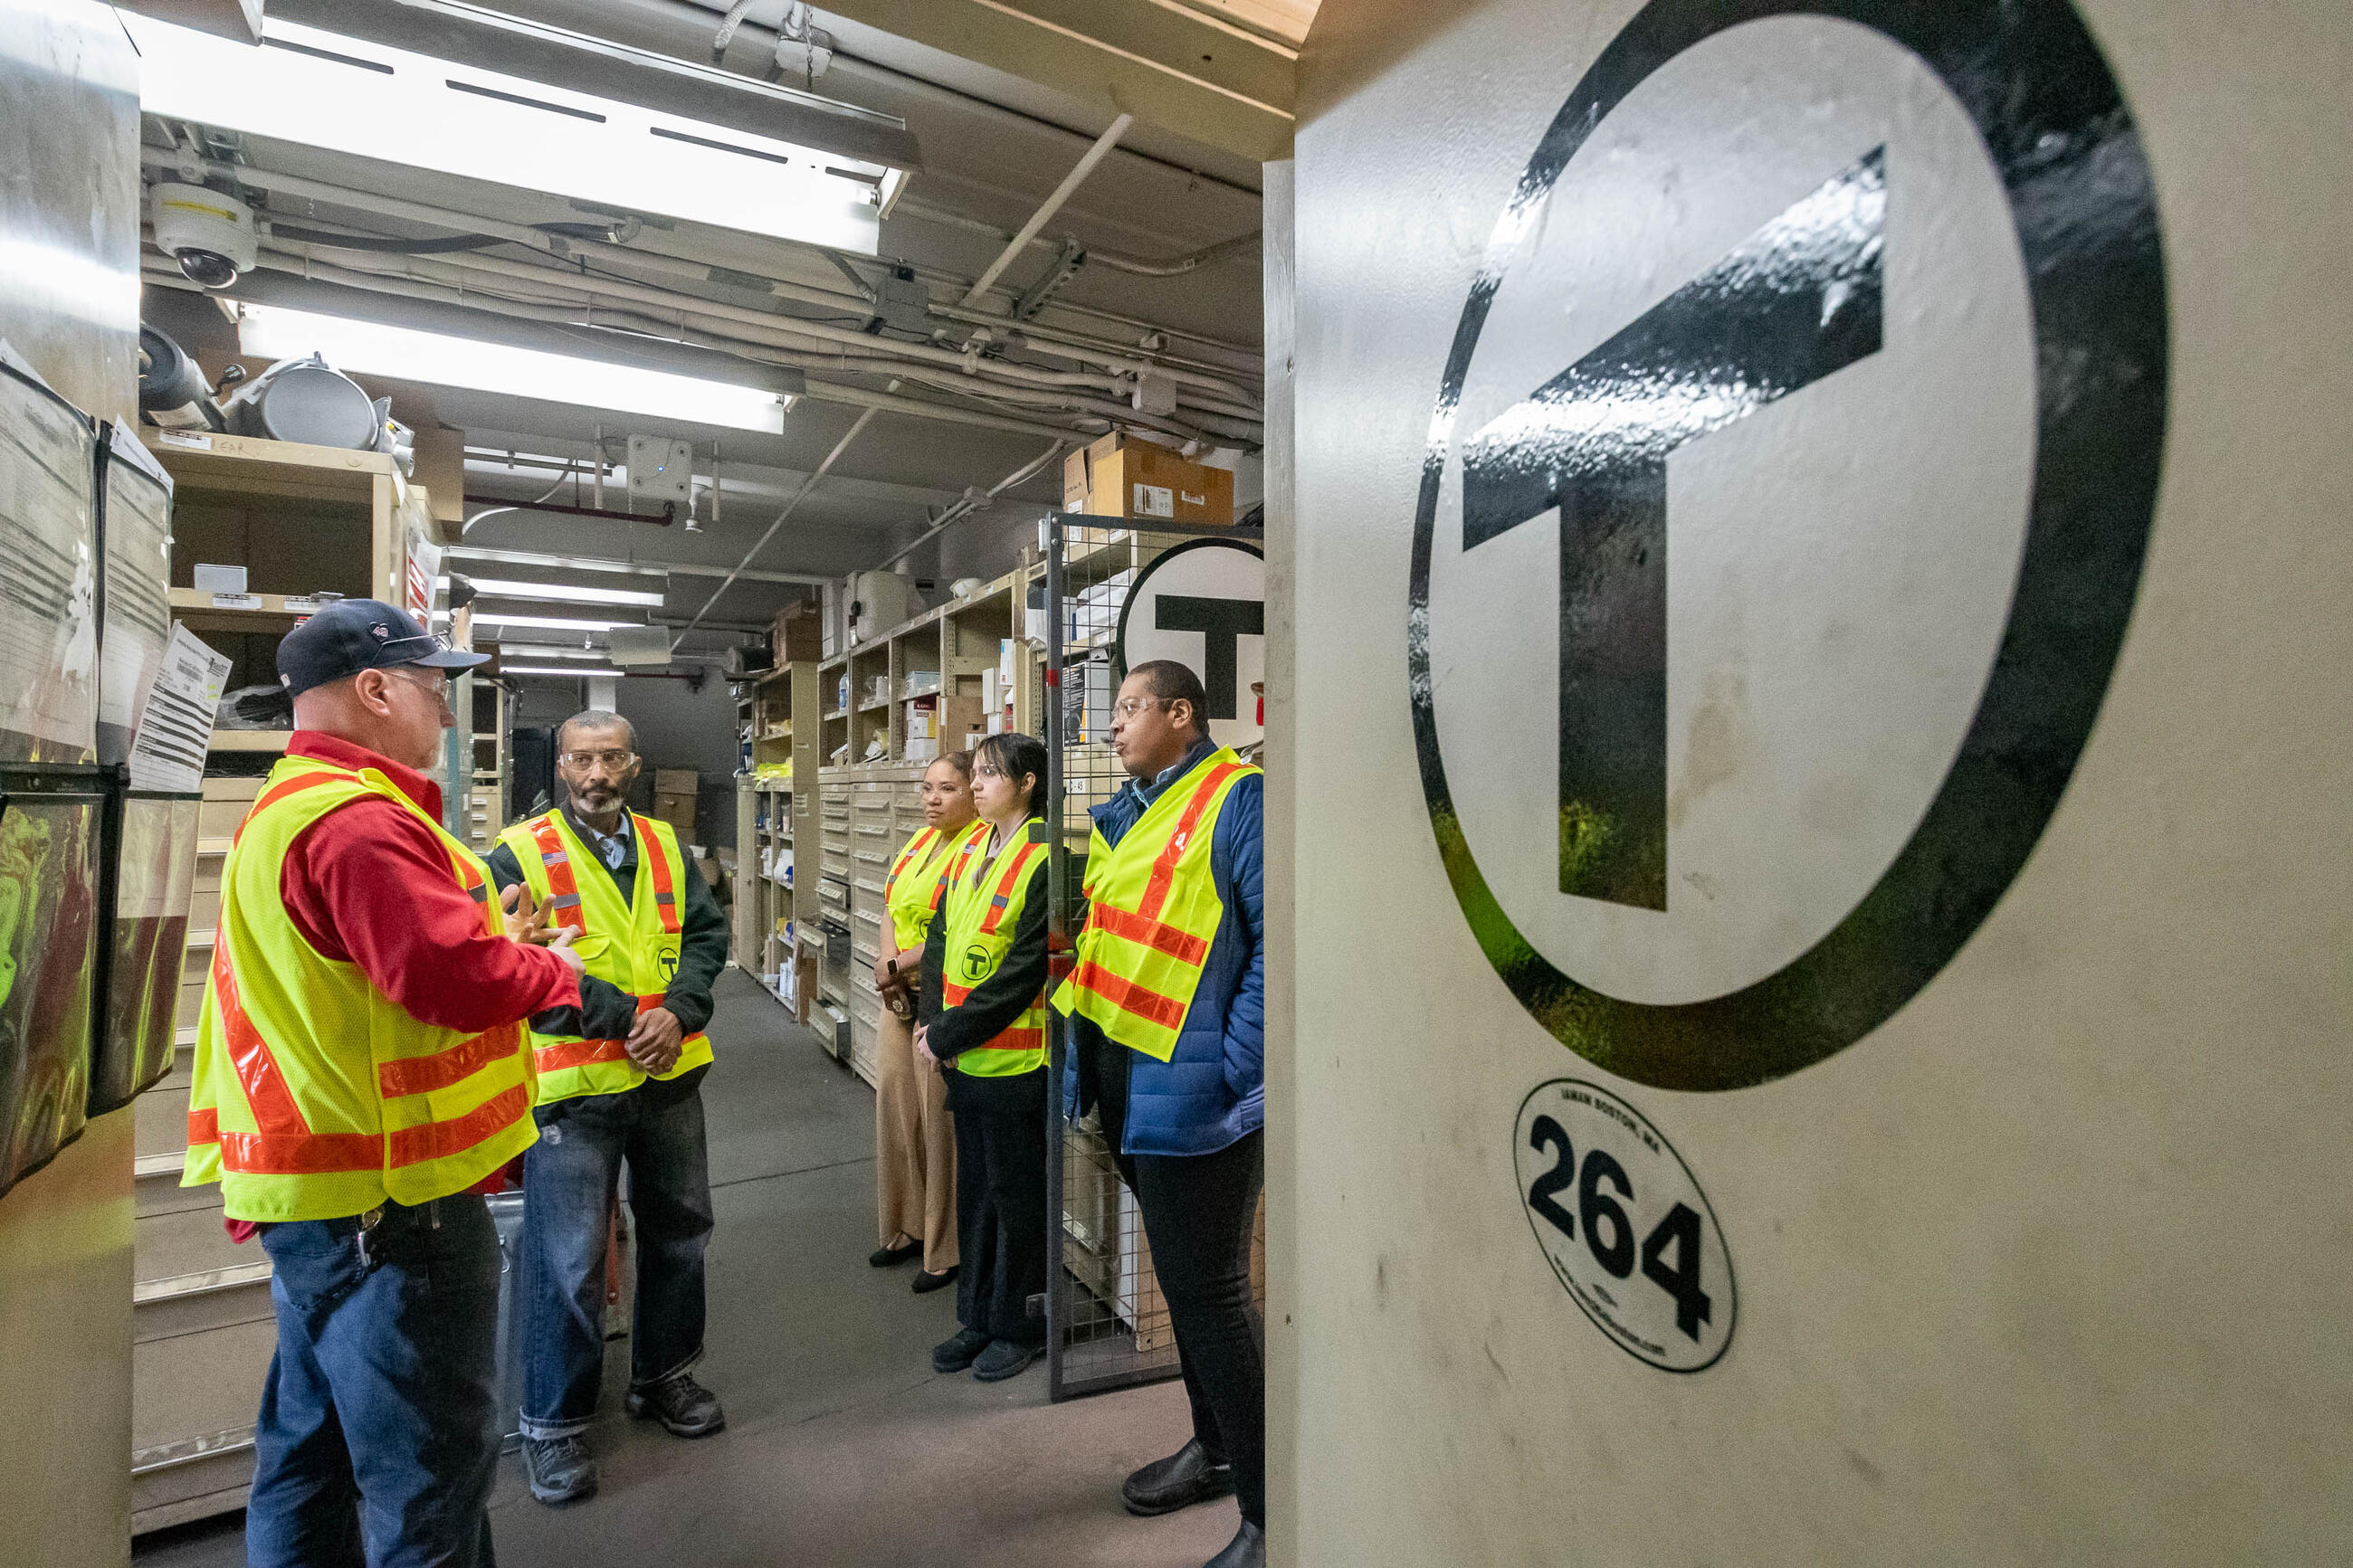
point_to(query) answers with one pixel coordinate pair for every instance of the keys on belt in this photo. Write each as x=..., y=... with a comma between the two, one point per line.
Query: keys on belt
x=372, y=1245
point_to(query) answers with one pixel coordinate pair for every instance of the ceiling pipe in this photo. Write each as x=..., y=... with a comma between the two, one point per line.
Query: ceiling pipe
x=963, y=508
x=663, y=519
x=802, y=494
x=1052, y=204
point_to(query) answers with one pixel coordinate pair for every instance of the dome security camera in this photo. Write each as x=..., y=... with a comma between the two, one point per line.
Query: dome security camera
x=209, y=233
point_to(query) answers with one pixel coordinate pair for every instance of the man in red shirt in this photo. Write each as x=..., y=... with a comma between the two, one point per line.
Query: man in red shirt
x=375, y=1441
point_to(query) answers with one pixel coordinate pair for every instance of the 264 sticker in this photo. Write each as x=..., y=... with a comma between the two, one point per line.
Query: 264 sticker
x=1624, y=1225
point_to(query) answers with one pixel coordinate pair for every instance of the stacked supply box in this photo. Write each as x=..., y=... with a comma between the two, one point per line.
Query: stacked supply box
x=1120, y=475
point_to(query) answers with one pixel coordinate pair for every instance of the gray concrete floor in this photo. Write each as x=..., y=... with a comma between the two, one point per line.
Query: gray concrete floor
x=842, y=1445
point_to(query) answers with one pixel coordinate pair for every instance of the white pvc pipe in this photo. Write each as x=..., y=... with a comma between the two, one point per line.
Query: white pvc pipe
x=1052, y=204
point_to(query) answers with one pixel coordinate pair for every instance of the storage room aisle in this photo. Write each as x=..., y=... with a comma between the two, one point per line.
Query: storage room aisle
x=842, y=1445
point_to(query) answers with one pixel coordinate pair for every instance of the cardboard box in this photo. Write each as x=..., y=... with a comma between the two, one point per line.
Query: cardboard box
x=675, y=780
x=797, y=632
x=677, y=810
x=1119, y=476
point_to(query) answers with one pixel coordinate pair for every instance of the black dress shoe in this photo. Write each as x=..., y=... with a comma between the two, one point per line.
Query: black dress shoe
x=889, y=1256
x=925, y=1281
x=1185, y=1478
x=1246, y=1550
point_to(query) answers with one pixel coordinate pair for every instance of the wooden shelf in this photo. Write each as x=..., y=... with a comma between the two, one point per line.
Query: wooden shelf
x=247, y=464
x=251, y=740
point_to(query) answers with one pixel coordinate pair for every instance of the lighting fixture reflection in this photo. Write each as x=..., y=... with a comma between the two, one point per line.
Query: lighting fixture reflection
x=556, y=670
x=273, y=332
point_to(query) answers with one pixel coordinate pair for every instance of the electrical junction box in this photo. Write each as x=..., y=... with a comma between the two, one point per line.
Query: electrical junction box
x=661, y=470
x=904, y=303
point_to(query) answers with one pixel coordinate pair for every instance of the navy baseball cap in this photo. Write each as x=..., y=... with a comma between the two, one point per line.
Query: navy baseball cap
x=353, y=634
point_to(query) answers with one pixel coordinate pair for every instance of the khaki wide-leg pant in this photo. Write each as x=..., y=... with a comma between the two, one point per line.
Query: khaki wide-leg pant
x=914, y=1147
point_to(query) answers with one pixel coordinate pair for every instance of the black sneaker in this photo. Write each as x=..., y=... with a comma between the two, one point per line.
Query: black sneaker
x=681, y=1405
x=1003, y=1359
x=1185, y=1478
x=955, y=1355
x=560, y=1470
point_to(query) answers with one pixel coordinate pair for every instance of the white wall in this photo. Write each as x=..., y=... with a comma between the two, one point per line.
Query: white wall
x=2050, y=1266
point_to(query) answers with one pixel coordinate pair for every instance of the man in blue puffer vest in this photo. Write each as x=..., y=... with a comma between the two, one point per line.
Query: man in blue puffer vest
x=1186, y=1130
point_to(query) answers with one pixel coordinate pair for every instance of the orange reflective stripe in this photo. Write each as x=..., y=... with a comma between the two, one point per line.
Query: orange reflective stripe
x=441, y=1140
x=562, y=890
x=421, y=1075
x=566, y=1053
x=1128, y=997
x=665, y=895
x=1164, y=869
x=917, y=848
x=203, y=1127
x=1015, y=1040
x=279, y=792
x=1016, y=864
x=1177, y=945
x=299, y=1153
x=266, y=1089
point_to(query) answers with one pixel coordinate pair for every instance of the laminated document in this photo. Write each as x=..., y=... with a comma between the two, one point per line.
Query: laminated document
x=167, y=753
x=137, y=624
x=48, y=570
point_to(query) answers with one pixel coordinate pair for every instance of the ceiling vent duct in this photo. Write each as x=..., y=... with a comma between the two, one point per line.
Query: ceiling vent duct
x=451, y=88
x=635, y=647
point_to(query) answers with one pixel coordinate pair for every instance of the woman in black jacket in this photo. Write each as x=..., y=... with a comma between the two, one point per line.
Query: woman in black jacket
x=982, y=1023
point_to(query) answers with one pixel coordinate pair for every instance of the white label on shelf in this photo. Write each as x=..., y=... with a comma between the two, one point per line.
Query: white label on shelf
x=174, y=438
x=237, y=601
x=304, y=605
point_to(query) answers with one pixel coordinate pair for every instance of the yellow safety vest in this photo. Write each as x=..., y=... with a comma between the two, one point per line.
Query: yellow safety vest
x=1152, y=911
x=983, y=911
x=918, y=880
x=314, y=1095
x=633, y=946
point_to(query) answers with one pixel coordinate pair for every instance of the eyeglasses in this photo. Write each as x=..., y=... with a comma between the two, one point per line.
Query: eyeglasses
x=986, y=771
x=615, y=761
x=1135, y=705
x=436, y=686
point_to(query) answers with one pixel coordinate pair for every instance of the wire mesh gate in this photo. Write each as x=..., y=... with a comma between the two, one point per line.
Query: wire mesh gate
x=1107, y=1326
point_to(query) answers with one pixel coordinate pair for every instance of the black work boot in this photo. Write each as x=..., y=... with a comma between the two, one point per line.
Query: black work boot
x=681, y=1405
x=1004, y=1358
x=1246, y=1550
x=957, y=1354
x=1185, y=1478
x=560, y=1470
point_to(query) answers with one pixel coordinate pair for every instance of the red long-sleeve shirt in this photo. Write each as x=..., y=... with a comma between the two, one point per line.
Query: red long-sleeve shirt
x=369, y=885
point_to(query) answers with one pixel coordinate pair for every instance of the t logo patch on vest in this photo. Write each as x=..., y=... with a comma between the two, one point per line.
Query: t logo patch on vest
x=669, y=961
x=976, y=964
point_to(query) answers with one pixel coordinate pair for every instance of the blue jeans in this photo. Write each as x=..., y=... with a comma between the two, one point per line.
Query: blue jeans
x=568, y=1181
x=375, y=1444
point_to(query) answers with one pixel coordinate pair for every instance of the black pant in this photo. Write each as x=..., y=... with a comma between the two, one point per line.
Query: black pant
x=1198, y=1213
x=1000, y=1134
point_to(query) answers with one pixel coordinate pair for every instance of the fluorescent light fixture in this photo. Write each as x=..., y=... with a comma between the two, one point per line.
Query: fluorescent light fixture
x=517, y=650
x=551, y=669
x=502, y=588
x=370, y=348
x=546, y=623
x=359, y=96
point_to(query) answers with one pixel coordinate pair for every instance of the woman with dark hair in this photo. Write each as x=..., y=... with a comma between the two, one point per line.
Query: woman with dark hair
x=914, y=1136
x=983, y=1029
